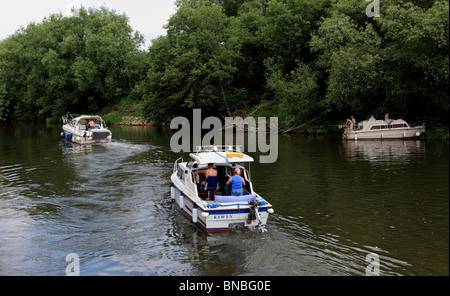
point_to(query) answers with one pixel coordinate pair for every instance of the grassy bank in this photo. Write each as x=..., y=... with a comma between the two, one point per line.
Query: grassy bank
x=130, y=113
x=127, y=113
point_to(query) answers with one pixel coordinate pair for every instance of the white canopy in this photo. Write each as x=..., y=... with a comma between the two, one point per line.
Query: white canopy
x=88, y=117
x=205, y=158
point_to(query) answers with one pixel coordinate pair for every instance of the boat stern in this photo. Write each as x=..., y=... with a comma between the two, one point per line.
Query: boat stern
x=214, y=217
x=244, y=217
x=218, y=212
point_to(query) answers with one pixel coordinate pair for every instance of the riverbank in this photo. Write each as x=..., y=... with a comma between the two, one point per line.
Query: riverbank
x=125, y=113
x=131, y=114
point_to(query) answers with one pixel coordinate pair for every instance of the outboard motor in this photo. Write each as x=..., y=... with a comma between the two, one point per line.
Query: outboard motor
x=254, y=213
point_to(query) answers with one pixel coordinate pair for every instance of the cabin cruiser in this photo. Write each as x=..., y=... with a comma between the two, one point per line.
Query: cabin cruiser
x=373, y=129
x=207, y=202
x=85, y=129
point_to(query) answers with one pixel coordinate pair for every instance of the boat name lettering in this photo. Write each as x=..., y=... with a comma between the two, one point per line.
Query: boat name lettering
x=220, y=217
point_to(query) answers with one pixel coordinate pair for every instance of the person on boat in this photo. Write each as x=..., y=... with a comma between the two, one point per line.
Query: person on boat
x=210, y=172
x=237, y=183
x=387, y=119
x=351, y=122
x=360, y=125
x=91, y=124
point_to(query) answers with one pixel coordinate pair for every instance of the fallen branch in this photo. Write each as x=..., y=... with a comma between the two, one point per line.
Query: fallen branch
x=259, y=108
x=300, y=127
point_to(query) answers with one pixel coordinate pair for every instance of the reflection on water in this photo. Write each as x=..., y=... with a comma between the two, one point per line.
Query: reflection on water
x=335, y=202
x=383, y=151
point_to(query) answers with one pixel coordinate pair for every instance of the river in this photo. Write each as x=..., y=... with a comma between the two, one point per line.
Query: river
x=335, y=203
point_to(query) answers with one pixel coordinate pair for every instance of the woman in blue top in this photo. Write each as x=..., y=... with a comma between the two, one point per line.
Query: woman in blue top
x=237, y=183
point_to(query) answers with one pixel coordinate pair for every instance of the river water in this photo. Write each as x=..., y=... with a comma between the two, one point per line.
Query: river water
x=335, y=203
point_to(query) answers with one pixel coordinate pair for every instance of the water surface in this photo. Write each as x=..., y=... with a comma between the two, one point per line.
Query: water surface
x=335, y=202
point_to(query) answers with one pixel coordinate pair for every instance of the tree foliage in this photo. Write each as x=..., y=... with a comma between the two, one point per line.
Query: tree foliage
x=311, y=58
x=296, y=93
x=308, y=58
x=214, y=54
x=194, y=65
x=62, y=64
x=396, y=63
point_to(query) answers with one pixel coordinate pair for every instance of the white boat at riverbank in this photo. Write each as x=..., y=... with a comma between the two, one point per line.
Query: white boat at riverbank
x=373, y=129
x=85, y=130
x=207, y=202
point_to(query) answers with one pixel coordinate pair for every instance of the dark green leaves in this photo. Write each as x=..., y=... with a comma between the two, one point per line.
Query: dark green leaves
x=75, y=64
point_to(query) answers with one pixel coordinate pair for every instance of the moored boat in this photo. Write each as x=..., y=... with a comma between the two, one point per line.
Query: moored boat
x=373, y=129
x=85, y=129
x=207, y=202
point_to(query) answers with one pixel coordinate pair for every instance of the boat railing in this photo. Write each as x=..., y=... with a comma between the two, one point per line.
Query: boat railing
x=419, y=124
x=175, y=166
x=219, y=148
x=68, y=119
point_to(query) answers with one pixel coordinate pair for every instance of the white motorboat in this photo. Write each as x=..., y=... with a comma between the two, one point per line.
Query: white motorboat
x=207, y=202
x=85, y=130
x=373, y=129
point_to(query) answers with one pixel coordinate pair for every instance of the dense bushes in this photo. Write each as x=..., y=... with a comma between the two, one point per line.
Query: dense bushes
x=312, y=59
x=63, y=64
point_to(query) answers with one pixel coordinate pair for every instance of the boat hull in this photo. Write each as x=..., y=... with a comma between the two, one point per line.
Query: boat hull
x=402, y=134
x=98, y=136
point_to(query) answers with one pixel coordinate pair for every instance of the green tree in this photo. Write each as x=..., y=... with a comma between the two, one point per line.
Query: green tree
x=287, y=30
x=194, y=65
x=351, y=57
x=296, y=94
x=305, y=57
x=76, y=64
x=416, y=50
x=4, y=103
x=396, y=63
x=250, y=75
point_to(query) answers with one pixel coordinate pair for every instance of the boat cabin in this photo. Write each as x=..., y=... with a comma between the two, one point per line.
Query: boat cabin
x=373, y=129
x=85, y=129
x=382, y=125
x=85, y=123
x=225, y=160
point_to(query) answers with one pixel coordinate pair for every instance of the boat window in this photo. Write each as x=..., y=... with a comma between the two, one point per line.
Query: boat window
x=401, y=125
x=379, y=127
